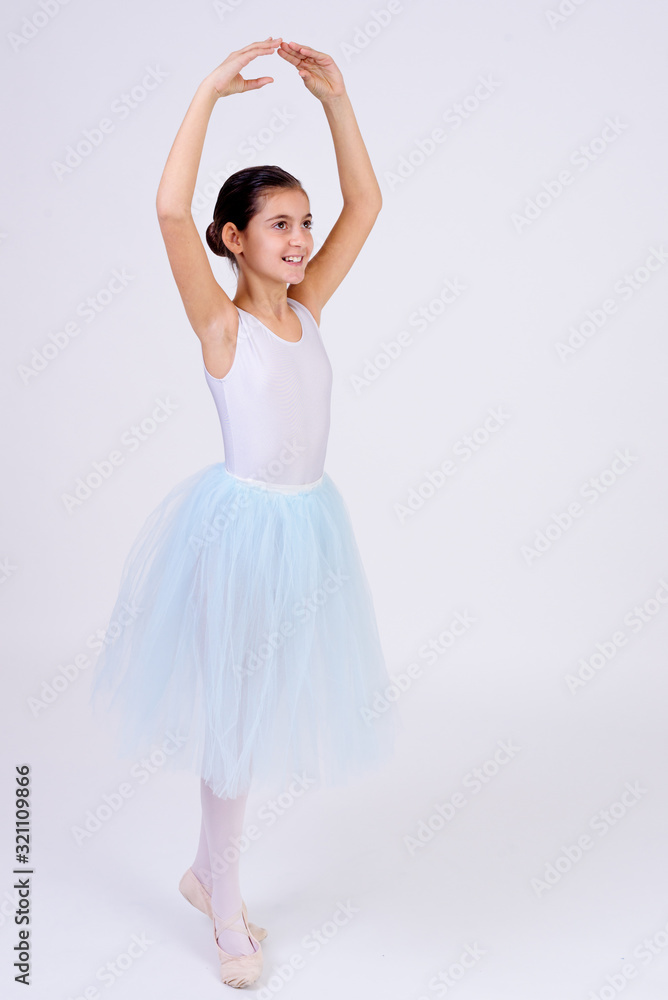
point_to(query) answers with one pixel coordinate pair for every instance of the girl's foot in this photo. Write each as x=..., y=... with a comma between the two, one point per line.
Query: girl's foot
x=197, y=893
x=238, y=969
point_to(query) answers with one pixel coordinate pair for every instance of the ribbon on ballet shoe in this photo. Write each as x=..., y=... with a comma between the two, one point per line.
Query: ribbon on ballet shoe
x=238, y=970
x=198, y=896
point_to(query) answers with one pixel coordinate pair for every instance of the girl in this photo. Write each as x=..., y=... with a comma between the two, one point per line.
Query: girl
x=253, y=636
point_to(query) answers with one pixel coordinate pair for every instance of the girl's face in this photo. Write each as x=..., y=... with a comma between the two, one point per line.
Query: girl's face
x=282, y=228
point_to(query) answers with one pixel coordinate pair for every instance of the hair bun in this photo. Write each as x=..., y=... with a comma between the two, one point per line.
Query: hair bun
x=214, y=240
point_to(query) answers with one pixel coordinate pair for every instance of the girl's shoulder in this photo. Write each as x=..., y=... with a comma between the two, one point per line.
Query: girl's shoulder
x=311, y=308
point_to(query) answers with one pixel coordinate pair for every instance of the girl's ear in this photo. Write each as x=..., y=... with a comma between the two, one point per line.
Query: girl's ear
x=230, y=236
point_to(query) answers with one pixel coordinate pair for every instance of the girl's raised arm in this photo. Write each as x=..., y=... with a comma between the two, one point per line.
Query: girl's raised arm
x=362, y=199
x=207, y=305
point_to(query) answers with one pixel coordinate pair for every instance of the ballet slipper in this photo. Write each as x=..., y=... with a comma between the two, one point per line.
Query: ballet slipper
x=238, y=970
x=196, y=893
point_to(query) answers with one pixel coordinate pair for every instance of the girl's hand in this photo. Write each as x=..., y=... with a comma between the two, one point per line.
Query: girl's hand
x=226, y=79
x=319, y=72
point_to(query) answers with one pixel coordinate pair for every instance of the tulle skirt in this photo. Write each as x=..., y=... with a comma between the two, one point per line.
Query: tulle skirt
x=244, y=632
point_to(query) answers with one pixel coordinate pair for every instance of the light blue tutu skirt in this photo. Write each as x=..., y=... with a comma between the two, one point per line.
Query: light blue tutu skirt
x=244, y=631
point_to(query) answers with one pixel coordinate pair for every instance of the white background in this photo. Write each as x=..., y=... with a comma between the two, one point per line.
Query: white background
x=451, y=213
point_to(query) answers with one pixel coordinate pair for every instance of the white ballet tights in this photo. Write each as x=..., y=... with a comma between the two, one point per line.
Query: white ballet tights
x=222, y=819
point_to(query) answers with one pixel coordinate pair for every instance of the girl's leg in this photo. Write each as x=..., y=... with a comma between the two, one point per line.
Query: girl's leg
x=201, y=866
x=222, y=819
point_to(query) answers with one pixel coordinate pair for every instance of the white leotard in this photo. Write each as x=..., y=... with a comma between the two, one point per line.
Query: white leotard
x=274, y=403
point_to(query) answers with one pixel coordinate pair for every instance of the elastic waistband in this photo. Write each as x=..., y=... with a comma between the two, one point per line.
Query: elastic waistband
x=278, y=487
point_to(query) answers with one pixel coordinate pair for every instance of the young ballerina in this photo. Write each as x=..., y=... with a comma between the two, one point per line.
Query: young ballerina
x=255, y=636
